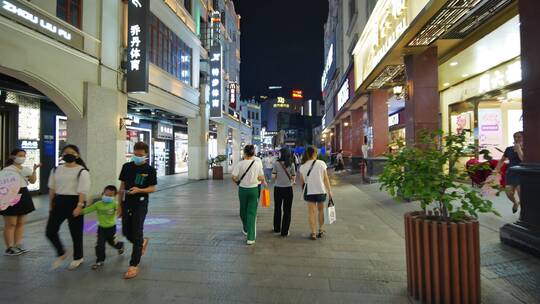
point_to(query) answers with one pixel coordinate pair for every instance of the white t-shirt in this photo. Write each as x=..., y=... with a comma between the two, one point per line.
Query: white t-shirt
x=251, y=179
x=64, y=180
x=24, y=173
x=315, y=180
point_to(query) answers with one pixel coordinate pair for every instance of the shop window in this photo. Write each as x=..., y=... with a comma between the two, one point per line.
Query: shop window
x=70, y=11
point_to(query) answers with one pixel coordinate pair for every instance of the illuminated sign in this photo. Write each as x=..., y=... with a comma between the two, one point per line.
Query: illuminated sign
x=388, y=21
x=25, y=14
x=216, y=63
x=297, y=94
x=29, y=144
x=499, y=78
x=138, y=33
x=343, y=94
x=233, y=90
x=165, y=131
x=281, y=103
x=393, y=120
x=329, y=67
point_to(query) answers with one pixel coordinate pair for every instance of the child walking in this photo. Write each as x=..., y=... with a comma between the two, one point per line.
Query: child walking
x=138, y=181
x=106, y=210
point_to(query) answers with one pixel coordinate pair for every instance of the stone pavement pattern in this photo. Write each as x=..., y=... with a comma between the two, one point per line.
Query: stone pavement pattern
x=197, y=254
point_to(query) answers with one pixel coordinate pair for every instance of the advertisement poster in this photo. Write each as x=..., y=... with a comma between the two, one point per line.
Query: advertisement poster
x=462, y=122
x=490, y=131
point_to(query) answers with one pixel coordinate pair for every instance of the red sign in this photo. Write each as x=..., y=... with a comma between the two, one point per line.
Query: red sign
x=297, y=94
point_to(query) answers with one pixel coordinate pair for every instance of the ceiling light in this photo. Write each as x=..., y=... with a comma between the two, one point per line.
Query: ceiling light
x=465, y=75
x=453, y=63
x=446, y=84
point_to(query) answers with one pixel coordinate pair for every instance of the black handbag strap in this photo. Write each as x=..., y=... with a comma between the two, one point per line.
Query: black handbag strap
x=311, y=168
x=243, y=175
x=285, y=169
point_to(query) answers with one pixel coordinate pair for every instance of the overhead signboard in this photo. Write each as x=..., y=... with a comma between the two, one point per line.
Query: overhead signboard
x=216, y=62
x=297, y=94
x=393, y=120
x=330, y=65
x=233, y=92
x=24, y=13
x=343, y=94
x=138, y=33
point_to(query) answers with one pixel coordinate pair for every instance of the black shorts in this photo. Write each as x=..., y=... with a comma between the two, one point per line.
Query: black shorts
x=315, y=198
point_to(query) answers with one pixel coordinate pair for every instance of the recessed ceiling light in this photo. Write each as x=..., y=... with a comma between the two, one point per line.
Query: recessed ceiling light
x=446, y=84
x=453, y=63
x=465, y=75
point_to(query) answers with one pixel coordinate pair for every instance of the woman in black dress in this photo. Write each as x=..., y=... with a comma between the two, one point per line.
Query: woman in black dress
x=15, y=216
x=514, y=155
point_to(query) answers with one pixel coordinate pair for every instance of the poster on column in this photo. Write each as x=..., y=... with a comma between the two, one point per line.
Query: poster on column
x=490, y=135
x=137, y=52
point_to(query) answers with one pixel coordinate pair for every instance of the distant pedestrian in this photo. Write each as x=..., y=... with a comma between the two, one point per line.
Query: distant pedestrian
x=15, y=216
x=138, y=179
x=514, y=155
x=297, y=162
x=69, y=185
x=284, y=175
x=268, y=163
x=315, y=187
x=339, y=161
x=107, y=212
x=247, y=174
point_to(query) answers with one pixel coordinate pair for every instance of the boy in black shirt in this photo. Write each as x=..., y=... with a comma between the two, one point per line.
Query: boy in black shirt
x=138, y=179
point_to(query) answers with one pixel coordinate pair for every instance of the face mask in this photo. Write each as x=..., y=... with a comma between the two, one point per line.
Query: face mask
x=138, y=160
x=19, y=160
x=69, y=158
x=107, y=199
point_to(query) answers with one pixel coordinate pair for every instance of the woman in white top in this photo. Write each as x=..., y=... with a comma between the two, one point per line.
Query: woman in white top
x=247, y=174
x=316, y=186
x=68, y=187
x=15, y=216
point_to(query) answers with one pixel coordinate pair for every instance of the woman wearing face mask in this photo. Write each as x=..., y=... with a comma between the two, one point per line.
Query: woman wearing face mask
x=68, y=186
x=15, y=216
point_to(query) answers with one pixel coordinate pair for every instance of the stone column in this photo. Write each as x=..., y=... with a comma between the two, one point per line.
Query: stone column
x=198, y=139
x=422, y=106
x=98, y=135
x=235, y=148
x=357, y=131
x=525, y=233
x=378, y=120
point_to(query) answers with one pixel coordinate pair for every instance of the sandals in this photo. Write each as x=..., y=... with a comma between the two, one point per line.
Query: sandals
x=313, y=237
x=321, y=234
x=131, y=272
x=515, y=208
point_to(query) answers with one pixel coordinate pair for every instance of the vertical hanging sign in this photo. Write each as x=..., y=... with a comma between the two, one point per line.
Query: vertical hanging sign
x=137, y=57
x=233, y=91
x=216, y=68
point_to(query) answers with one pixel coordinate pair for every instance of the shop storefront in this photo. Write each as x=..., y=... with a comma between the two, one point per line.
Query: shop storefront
x=488, y=104
x=396, y=134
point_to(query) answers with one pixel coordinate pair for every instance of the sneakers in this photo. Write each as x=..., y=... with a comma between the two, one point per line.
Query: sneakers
x=59, y=261
x=97, y=265
x=250, y=242
x=12, y=251
x=21, y=250
x=244, y=232
x=75, y=264
x=285, y=235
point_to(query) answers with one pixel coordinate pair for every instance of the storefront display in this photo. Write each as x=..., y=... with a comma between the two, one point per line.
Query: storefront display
x=181, y=152
x=61, y=136
x=134, y=135
x=161, y=157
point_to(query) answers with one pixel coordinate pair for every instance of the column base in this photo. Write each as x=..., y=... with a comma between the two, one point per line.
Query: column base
x=521, y=237
x=525, y=234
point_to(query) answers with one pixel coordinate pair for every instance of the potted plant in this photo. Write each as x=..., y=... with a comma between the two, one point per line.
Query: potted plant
x=442, y=240
x=217, y=168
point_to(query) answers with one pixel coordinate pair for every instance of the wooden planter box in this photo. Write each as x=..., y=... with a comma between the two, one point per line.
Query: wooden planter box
x=217, y=172
x=443, y=259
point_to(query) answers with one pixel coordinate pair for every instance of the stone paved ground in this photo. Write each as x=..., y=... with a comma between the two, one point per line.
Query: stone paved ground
x=197, y=255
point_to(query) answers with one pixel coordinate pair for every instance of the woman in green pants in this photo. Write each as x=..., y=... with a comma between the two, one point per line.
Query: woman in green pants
x=247, y=174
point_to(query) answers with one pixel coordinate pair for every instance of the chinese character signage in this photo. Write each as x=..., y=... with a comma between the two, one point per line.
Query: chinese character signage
x=137, y=57
x=233, y=91
x=297, y=94
x=165, y=131
x=215, y=68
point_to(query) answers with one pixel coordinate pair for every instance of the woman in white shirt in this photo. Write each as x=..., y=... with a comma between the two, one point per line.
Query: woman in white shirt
x=247, y=174
x=15, y=216
x=316, y=186
x=69, y=185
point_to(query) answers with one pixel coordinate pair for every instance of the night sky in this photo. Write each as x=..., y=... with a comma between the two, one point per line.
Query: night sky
x=281, y=44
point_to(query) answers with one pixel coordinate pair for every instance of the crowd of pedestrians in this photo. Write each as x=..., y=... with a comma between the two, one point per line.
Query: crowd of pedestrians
x=252, y=173
x=69, y=186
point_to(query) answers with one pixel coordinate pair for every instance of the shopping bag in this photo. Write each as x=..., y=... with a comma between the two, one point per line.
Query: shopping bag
x=265, y=198
x=330, y=213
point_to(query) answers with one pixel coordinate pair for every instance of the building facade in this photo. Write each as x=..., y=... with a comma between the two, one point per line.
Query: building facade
x=133, y=70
